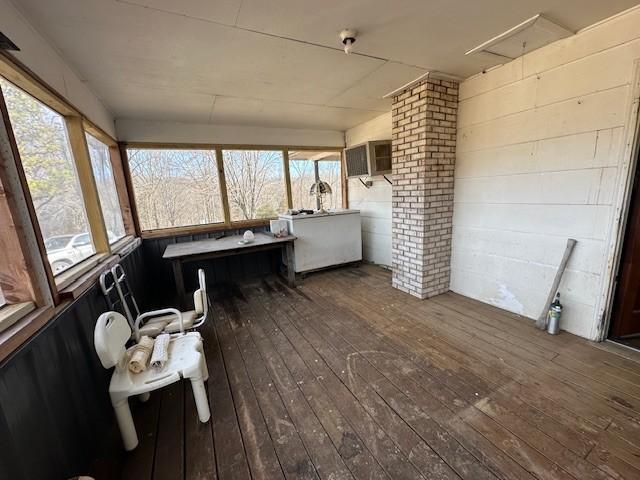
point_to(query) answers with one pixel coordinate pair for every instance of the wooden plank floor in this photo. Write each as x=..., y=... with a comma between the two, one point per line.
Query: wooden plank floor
x=348, y=378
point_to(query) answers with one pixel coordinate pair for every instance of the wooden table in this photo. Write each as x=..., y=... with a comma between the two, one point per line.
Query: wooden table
x=180, y=253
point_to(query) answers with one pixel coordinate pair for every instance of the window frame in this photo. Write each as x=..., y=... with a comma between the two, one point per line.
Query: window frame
x=77, y=125
x=112, y=150
x=228, y=224
x=152, y=233
x=343, y=177
x=285, y=173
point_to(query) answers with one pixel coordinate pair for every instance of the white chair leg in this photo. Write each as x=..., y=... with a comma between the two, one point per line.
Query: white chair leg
x=144, y=397
x=126, y=425
x=205, y=369
x=202, y=402
x=203, y=366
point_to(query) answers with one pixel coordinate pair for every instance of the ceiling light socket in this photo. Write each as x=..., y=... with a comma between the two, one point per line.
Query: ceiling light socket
x=348, y=37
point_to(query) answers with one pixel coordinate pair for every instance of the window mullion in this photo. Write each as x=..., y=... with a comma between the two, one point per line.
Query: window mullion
x=223, y=186
x=117, y=165
x=80, y=152
x=287, y=178
x=344, y=181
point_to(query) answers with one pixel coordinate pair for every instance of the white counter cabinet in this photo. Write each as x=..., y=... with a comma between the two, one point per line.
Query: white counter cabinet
x=325, y=239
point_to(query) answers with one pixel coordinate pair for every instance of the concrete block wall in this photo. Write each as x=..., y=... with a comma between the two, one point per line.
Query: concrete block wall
x=543, y=154
x=424, y=151
x=374, y=202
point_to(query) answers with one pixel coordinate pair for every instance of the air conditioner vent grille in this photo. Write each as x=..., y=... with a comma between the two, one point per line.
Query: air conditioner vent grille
x=368, y=159
x=356, y=160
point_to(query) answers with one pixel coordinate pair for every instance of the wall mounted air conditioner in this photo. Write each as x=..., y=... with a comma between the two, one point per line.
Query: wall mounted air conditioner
x=368, y=159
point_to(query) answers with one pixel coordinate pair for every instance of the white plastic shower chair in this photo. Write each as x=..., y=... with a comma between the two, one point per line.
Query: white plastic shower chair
x=155, y=322
x=170, y=322
x=186, y=360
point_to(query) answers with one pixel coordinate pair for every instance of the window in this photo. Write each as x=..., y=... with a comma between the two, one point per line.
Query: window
x=255, y=183
x=175, y=188
x=303, y=175
x=302, y=169
x=41, y=137
x=106, y=186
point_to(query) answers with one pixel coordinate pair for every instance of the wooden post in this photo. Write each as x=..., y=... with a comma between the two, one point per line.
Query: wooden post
x=287, y=176
x=316, y=174
x=124, y=158
x=344, y=181
x=15, y=281
x=122, y=189
x=25, y=226
x=290, y=263
x=223, y=186
x=541, y=323
x=80, y=151
x=179, y=280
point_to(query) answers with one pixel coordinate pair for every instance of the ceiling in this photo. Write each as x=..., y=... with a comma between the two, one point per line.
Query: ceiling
x=276, y=63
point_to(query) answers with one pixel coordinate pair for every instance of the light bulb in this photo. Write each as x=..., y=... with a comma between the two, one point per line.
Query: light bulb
x=348, y=46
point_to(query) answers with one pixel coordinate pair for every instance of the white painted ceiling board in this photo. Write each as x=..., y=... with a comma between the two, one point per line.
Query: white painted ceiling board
x=245, y=111
x=220, y=11
x=263, y=57
x=368, y=92
x=158, y=103
x=156, y=131
x=432, y=34
x=199, y=57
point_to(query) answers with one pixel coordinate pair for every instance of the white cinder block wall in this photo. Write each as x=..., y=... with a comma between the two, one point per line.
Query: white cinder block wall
x=541, y=157
x=374, y=203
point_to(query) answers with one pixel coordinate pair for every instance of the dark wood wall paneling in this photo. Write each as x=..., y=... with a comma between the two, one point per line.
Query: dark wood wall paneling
x=219, y=272
x=55, y=413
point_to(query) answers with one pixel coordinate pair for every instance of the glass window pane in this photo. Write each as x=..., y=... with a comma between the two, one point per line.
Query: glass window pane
x=42, y=141
x=255, y=183
x=301, y=169
x=175, y=188
x=107, y=190
x=302, y=177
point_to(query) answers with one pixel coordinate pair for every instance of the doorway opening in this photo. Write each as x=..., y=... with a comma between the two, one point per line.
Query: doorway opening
x=625, y=315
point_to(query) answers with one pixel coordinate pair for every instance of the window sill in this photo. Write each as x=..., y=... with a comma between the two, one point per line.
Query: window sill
x=10, y=314
x=23, y=329
x=67, y=277
x=81, y=282
x=196, y=229
x=125, y=245
x=99, y=260
x=18, y=323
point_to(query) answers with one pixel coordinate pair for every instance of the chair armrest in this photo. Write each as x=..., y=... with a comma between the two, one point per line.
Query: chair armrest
x=155, y=313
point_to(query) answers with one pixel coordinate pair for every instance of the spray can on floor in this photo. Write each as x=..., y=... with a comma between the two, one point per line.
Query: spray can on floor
x=553, y=317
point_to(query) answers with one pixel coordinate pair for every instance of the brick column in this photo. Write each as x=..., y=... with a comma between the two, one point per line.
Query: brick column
x=424, y=152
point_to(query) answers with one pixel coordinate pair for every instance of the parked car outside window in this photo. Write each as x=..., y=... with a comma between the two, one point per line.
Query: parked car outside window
x=64, y=251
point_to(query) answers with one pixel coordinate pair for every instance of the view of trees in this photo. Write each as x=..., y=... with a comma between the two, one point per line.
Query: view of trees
x=42, y=141
x=106, y=185
x=330, y=171
x=255, y=183
x=175, y=188
x=302, y=173
x=302, y=177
